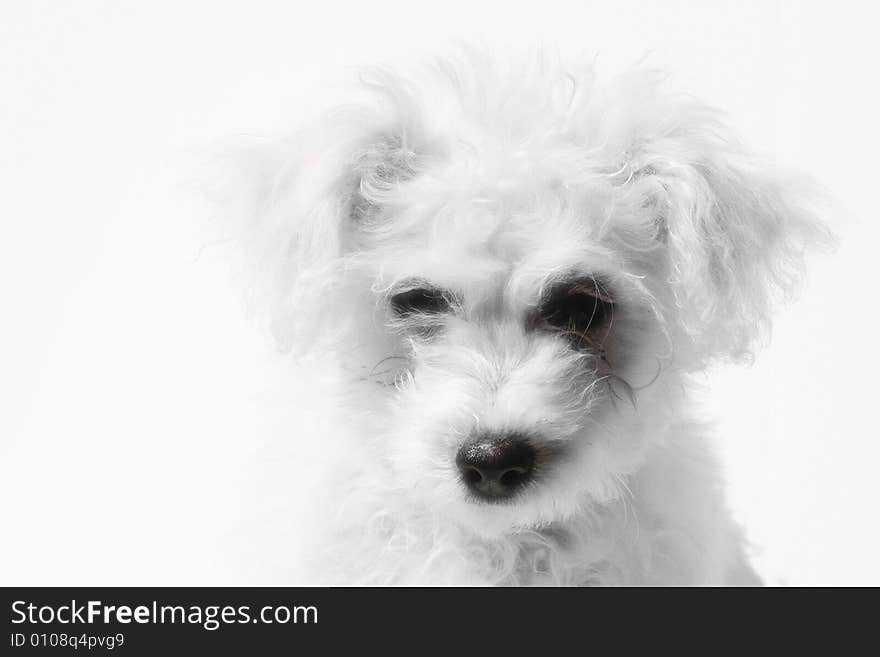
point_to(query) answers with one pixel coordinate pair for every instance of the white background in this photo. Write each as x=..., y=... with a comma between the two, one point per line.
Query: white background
x=131, y=380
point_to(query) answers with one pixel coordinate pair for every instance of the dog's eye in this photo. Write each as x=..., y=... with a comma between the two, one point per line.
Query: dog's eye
x=420, y=301
x=577, y=309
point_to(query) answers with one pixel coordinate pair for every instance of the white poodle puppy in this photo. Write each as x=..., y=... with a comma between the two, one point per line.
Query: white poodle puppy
x=518, y=271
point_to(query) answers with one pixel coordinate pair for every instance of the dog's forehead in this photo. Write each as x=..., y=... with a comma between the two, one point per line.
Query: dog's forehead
x=487, y=245
x=494, y=211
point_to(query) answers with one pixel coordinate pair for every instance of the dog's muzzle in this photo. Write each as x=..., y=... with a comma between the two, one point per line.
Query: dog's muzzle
x=495, y=467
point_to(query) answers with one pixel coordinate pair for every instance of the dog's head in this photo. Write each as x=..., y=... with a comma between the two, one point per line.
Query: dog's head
x=526, y=264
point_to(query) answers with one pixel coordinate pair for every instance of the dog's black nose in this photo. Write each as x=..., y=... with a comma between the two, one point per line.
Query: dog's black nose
x=495, y=467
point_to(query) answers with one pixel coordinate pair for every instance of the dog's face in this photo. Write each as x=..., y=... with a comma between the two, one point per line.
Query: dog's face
x=518, y=358
x=526, y=270
x=517, y=333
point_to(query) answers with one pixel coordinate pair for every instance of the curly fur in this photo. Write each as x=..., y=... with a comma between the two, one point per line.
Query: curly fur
x=495, y=180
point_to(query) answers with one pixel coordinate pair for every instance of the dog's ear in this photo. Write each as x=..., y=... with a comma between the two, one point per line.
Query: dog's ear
x=736, y=231
x=302, y=205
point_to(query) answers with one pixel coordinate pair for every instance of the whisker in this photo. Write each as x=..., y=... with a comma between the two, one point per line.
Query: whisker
x=654, y=379
x=384, y=360
x=630, y=392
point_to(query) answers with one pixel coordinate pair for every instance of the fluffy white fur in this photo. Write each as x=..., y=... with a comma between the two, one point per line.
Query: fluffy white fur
x=494, y=180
